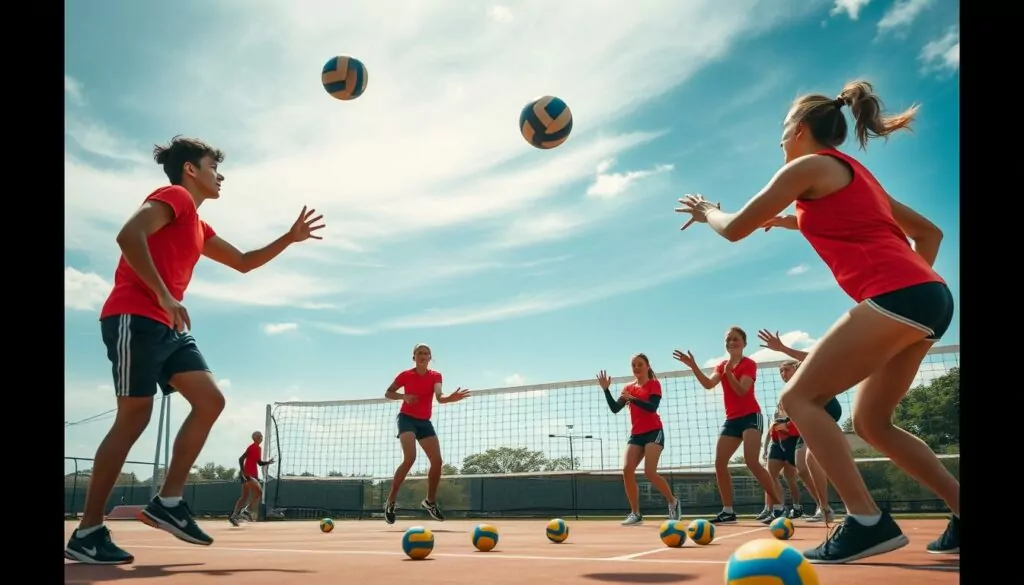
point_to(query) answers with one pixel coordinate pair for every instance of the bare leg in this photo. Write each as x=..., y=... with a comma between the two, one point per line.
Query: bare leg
x=789, y=472
x=652, y=455
x=774, y=470
x=207, y=402
x=408, y=442
x=634, y=454
x=724, y=451
x=432, y=447
x=819, y=479
x=751, y=446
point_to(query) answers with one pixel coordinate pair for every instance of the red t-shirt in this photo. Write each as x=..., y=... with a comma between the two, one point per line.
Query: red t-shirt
x=250, y=466
x=422, y=387
x=175, y=248
x=644, y=421
x=856, y=234
x=736, y=405
x=791, y=431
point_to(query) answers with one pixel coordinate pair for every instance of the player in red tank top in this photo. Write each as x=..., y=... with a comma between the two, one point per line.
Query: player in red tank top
x=147, y=333
x=646, y=435
x=903, y=307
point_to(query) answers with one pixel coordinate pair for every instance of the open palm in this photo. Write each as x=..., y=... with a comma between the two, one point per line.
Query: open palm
x=305, y=226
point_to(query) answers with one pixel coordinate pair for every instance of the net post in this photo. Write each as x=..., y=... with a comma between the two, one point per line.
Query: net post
x=155, y=487
x=266, y=470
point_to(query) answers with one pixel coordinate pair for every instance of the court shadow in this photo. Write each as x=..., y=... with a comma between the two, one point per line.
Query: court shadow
x=939, y=565
x=640, y=577
x=81, y=574
x=426, y=560
x=442, y=531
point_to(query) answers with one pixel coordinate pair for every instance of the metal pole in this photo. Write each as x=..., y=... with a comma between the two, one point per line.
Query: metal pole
x=167, y=436
x=262, y=515
x=153, y=489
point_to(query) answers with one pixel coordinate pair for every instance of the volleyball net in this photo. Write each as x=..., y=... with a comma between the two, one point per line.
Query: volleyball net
x=557, y=448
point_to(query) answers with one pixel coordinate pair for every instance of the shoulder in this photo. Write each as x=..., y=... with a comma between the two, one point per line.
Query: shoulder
x=654, y=385
x=748, y=366
x=403, y=374
x=177, y=197
x=436, y=375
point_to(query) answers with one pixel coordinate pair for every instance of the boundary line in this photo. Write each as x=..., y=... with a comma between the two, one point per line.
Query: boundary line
x=492, y=556
x=633, y=556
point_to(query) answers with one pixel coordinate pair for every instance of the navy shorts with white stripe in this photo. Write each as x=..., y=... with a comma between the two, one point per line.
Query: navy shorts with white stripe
x=145, y=354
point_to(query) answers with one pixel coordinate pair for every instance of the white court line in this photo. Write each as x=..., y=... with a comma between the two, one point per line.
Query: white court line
x=657, y=550
x=497, y=556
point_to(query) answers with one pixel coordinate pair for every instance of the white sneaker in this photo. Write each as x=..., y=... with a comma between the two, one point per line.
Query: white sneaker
x=818, y=516
x=633, y=520
x=675, y=511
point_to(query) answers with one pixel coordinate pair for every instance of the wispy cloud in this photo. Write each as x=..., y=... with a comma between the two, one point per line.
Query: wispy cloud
x=84, y=291
x=795, y=339
x=73, y=91
x=798, y=269
x=942, y=55
x=901, y=15
x=850, y=8
x=607, y=185
x=279, y=328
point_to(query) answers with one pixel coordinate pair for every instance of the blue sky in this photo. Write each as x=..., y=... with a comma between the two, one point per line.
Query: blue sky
x=518, y=266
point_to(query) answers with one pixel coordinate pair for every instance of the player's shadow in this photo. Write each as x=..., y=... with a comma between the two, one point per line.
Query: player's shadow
x=82, y=574
x=936, y=566
x=640, y=577
x=432, y=530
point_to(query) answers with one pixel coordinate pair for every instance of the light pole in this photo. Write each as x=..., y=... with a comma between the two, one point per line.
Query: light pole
x=572, y=454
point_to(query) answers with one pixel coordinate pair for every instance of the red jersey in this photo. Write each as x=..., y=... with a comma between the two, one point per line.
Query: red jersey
x=644, y=421
x=736, y=405
x=250, y=467
x=422, y=387
x=856, y=234
x=790, y=431
x=175, y=248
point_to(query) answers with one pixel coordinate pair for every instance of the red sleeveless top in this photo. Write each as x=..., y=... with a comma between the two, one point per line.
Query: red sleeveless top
x=854, y=232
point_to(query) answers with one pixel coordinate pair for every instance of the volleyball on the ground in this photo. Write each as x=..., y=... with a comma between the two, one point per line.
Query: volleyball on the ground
x=344, y=78
x=546, y=122
x=418, y=542
x=782, y=528
x=766, y=561
x=326, y=525
x=485, y=537
x=557, y=530
x=672, y=533
x=701, y=531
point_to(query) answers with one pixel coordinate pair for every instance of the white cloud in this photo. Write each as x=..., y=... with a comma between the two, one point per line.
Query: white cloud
x=224, y=383
x=515, y=380
x=798, y=269
x=73, y=90
x=943, y=54
x=851, y=8
x=84, y=291
x=424, y=158
x=608, y=185
x=902, y=14
x=278, y=328
x=795, y=339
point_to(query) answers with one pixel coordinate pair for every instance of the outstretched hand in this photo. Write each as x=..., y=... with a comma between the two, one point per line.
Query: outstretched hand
x=305, y=226
x=687, y=358
x=458, y=395
x=604, y=380
x=771, y=341
x=697, y=207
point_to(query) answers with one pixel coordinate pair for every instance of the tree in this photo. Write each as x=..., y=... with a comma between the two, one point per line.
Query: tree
x=504, y=460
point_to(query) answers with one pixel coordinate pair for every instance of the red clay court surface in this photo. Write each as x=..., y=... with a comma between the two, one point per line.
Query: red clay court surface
x=294, y=553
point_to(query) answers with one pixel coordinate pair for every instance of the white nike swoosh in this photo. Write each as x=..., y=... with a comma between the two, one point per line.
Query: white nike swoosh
x=181, y=523
x=90, y=551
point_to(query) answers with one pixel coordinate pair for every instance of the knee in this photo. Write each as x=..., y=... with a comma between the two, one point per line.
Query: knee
x=868, y=428
x=755, y=466
x=436, y=462
x=650, y=471
x=789, y=399
x=721, y=465
x=408, y=461
x=629, y=471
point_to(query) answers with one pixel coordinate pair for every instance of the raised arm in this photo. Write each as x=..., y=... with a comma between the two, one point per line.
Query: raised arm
x=688, y=360
x=927, y=236
x=220, y=250
x=774, y=343
x=456, y=396
x=615, y=404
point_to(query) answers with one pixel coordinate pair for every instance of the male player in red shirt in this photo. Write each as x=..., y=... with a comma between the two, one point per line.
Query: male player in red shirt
x=249, y=474
x=646, y=436
x=147, y=332
x=903, y=307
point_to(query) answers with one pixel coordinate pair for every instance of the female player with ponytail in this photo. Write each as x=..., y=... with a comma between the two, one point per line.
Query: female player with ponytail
x=647, y=436
x=903, y=306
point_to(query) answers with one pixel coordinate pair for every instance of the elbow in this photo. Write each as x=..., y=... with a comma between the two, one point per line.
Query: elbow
x=242, y=264
x=127, y=238
x=732, y=235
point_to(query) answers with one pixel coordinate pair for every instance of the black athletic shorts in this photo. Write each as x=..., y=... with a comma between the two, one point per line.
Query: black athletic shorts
x=657, y=436
x=737, y=426
x=784, y=450
x=928, y=307
x=423, y=429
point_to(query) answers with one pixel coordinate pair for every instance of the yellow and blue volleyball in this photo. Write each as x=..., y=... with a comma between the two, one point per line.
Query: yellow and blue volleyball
x=418, y=542
x=672, y=533
x=326, y=525
x=485, y=537
x=782, y=528
x=545, y=122
x=701, y=531
x=557, y=530
x=769, y=562
x=344, y=78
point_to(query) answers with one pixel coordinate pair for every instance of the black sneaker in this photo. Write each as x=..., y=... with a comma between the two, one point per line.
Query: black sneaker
x=796, y=512
x=773, y=515
x=433, y=510
x=233, y=520
x=949, y=542
x=96, y=549
x=766, y=513
x=177, y=520
x=389, y=512
x=724, y=518
x=852, y=541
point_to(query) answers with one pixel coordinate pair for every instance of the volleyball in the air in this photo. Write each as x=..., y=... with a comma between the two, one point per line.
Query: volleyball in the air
x=545, y=122
x=672, y=533
x=485, y=537
x=557, y=530
x=701, y=531
x=344, y=78
x=418, y=542
x=326, y=525
x=769, y=561
x=782, y=528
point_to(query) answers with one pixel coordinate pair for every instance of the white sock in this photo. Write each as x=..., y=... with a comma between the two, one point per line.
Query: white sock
x=728, y=510
x=83, y=532
x=170, y=502
x=777, y=507
x=866, y=520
